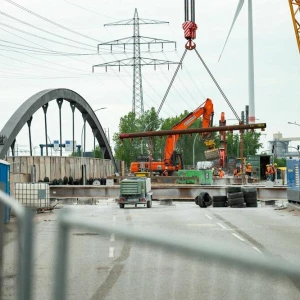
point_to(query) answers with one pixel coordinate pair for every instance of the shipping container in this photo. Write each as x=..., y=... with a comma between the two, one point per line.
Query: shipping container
x=5, y=186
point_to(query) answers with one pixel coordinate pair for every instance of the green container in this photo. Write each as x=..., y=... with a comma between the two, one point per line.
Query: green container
x=203, y=177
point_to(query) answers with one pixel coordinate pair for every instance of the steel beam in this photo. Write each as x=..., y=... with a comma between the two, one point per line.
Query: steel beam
x=175, y=192
x=261, y=126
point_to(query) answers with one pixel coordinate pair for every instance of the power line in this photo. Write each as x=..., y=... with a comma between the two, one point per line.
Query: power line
x=43, y=30
x=94, y=12
x=49, y=21
x=40, y=37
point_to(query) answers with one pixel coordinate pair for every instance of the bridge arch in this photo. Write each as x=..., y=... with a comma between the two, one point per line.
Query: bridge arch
x=35, y=102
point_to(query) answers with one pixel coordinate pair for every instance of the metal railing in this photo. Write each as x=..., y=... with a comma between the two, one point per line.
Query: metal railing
x=25, y=269
x=207, y=250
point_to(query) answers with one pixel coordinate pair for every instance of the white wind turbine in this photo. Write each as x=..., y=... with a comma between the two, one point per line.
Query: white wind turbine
x=250, y=55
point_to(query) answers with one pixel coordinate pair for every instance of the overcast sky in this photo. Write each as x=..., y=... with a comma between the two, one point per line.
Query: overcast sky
x=24, y=73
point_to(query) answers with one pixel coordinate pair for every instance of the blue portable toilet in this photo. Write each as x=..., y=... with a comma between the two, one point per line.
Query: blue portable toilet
x=4, y=185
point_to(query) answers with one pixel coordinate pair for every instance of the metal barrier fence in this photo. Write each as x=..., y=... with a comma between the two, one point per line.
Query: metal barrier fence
x=67, y=221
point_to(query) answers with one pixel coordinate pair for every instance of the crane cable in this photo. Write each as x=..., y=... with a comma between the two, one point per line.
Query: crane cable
x=171, y=83
x=219, y=88
x=190, y=28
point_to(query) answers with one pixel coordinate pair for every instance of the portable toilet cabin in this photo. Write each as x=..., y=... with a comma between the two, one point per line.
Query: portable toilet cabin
x=4, y=185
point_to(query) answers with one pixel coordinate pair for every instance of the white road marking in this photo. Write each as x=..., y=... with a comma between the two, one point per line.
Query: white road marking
x=111, y=252
x=255, y=248
x=112, y=237
x=222, y=226
x=208, y=216
x=114, y=218
x=238, y=237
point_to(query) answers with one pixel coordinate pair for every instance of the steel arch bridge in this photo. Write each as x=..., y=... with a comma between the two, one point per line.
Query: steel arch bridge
x=41, y=99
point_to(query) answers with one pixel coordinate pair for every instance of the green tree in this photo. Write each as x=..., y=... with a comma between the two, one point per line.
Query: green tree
x=97, y=153
x=281, y=162
x=251, y=144
x=129, y=150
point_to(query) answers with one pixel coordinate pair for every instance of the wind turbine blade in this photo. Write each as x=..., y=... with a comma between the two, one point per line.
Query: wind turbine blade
x=237, y=12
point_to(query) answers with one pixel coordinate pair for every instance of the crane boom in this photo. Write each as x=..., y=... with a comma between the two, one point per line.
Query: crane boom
x=295, y=12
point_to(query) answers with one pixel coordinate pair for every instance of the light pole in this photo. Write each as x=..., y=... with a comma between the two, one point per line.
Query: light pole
x=294, y=123
x=49, y=143
x=194, y=150
x=83, y=130
x=142, y=150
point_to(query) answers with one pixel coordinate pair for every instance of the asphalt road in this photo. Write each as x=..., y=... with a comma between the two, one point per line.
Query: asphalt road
x=111, y=268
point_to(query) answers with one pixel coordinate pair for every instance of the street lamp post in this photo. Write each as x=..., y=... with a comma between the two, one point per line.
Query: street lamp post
x=142, y=150
x=194, y=150
x=83, y=130
x=294, y=123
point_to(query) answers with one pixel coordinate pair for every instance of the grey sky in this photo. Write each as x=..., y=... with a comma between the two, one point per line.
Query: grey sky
x=277, y=62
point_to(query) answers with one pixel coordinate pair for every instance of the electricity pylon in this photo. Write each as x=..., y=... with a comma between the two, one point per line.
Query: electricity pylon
x=136, y=61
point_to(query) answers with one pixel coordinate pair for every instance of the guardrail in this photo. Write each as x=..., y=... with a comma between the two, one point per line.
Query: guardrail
x=25, y=245
x=203, y=249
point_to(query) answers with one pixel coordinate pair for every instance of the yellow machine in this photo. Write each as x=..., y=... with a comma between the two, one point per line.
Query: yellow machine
x=295, y=11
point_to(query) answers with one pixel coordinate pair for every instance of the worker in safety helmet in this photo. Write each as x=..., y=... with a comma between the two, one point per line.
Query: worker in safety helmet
x=221, y=173
x=268, y=172
x=248, y=169
x=273, y=171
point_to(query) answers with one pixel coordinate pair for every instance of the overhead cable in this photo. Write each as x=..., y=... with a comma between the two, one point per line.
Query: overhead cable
x=43, y=30
x=48, y=20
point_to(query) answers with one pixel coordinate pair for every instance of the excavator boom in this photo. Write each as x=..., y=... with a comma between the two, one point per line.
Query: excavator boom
x=172, y=160
x=206, y=110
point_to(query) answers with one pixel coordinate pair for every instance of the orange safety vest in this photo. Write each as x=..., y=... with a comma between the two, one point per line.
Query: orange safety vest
x=268, y=171
x=221, y=174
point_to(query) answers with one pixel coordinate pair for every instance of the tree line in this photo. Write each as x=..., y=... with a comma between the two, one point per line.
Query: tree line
x=189, y=145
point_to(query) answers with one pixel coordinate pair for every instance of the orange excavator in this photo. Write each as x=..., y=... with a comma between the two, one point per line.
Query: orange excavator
x=172, y=160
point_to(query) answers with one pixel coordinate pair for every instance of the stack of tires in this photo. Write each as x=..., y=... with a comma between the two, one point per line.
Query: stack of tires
x=220, y=201
x=235, y=196
x=203, y=200
x=250, y=196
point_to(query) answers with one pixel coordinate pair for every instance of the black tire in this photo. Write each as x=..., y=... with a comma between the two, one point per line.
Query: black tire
x=201, y=203
x=250, y=194
x=241, y=205
x=121, y=205
x=235, y=201
x=222, y=199
x=233, y=189
x=219, y=204
x=249, y=189
x=251, y=200
x=149, y=204
x=204, y=199
x=235, y=195
x=197, y=200
x=251, y=204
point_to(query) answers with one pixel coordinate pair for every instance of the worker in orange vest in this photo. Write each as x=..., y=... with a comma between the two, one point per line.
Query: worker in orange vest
x=221, y=173
x=268, y=173
x=248, y=169
x=272, y=172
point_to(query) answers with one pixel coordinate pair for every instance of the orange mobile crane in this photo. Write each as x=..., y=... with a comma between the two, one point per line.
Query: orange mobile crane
x=295, y=12
x=172, y=160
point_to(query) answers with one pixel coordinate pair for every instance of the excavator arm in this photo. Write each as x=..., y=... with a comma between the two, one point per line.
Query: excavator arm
x=206, y=111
